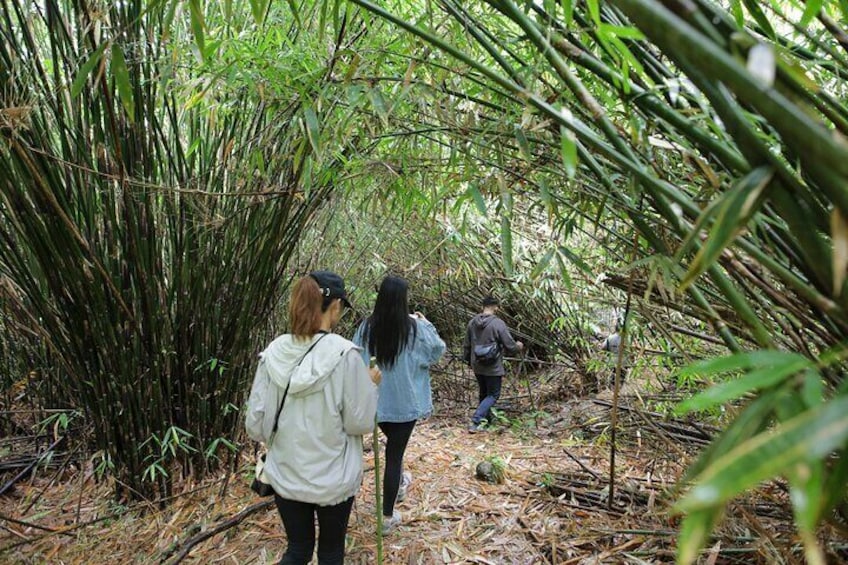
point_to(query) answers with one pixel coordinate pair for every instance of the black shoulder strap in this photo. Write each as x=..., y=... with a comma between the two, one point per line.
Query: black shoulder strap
x=286, y=392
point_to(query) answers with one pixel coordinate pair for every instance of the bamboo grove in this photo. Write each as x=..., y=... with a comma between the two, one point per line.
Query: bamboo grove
x=161, y=159
x=747, y=218
x=146, y=240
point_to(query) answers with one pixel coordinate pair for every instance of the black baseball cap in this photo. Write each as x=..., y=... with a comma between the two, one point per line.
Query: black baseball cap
x=331, y=286
x=490, y=301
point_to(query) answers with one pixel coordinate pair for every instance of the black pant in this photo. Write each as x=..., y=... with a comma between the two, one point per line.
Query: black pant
x=397, y=436
x=489, y=390
x=299, y=522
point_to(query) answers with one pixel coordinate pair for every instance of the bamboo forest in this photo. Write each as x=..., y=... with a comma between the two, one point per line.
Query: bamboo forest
x=649, y=197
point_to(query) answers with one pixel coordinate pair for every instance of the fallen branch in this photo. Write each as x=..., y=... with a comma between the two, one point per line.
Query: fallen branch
x=63, y=531
x=5, y=518
x=189, y=544
x=29, y=467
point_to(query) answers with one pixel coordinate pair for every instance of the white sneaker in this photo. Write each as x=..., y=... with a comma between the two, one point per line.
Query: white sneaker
x=391, y=522
x=405, y=482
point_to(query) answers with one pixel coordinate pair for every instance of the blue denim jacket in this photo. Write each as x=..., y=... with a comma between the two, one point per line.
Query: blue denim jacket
x=405, y=393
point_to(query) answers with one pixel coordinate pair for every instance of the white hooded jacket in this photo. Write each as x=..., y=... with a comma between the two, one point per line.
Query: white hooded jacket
x=316, y=456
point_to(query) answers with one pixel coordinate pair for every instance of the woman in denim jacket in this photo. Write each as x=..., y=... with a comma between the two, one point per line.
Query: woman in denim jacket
x=405, y=346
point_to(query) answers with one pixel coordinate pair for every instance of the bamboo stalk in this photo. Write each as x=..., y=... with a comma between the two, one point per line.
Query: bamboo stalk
x=378, y=491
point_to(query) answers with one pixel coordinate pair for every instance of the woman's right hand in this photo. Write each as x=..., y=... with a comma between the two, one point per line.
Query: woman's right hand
x=376, y=375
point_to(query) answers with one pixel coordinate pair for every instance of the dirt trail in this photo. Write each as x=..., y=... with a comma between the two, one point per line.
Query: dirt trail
x=551, y=508
x=449, y=515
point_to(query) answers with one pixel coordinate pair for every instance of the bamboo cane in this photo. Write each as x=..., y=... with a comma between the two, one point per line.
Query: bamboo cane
x=378, y=491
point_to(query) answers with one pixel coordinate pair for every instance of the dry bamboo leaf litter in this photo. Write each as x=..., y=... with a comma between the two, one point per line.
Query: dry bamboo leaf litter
x=550, y=509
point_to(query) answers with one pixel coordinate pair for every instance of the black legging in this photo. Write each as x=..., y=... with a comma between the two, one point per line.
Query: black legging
x=397, y=436
x=299, y=522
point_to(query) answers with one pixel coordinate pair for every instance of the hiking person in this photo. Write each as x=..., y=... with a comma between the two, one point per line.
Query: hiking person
x=323, y=398
x=404, y=346
x=486, y=340
x=611, y=345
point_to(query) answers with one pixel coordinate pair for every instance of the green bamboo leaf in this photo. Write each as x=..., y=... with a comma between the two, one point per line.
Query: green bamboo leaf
x=379, y=104
x=694, y=234
x=626, y=32
x=306, y=176
x=193, y=146
x=568, y=11
x=354, y=94
x=739, y=361
x=811, y=10
x=737, y=208
x=506, y=245
x=694, y=531
x=322, y=20
x=337, y=16
x=568, y=146
x=212, y=49
x=198, y=25
x=477, y=197
x=738, y=14
x=757, y=379
x=594, y=11
x=760, y=17
x=523, y=144
x=542, y=264
x=564, y=275
x=749, y=422
x=295, y=12
x=574, y=259
x=547, y=199
x=122, y=81
x=545, y=193
x=85, y=70
x=628, y=61
x=789, y=406
x=313, y=129
x=808, y=437
x=812, y=389
x=168, y=21
x=259, y=8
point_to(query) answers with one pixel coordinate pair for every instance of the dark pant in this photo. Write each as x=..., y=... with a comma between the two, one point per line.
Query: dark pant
x=397, y=436
x=299, y=522
x=489, y=391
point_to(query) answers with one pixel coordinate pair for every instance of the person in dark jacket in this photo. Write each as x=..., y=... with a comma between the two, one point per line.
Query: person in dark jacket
x=486, y=340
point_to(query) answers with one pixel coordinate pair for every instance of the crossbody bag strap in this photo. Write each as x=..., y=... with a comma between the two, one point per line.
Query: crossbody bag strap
x=286, y=392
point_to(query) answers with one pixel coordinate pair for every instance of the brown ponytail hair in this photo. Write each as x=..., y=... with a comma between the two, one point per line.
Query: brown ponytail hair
x=305, y=308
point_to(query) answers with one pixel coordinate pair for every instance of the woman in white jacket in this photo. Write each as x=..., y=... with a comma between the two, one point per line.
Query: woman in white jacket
x=314, y=460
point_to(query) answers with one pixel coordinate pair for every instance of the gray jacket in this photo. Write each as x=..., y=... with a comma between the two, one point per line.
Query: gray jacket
x=483, y=329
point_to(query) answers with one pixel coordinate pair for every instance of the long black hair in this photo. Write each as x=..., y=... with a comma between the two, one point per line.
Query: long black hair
x=390, y=329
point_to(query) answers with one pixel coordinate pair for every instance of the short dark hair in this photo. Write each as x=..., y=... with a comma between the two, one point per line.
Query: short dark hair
x=490, y=301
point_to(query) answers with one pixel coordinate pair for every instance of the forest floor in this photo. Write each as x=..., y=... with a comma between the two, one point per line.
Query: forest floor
x=552, y=506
